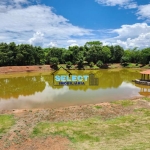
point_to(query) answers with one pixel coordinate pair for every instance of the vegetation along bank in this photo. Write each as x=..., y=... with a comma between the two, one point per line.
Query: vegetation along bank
x=92, y=55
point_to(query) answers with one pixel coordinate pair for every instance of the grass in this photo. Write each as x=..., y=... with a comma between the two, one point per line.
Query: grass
x=6, y=121
x=132, y=65
x=124, y=103
x=98, y=107
x=146, y=67
x=146, y=98
x=85, y=66
x=120, y=133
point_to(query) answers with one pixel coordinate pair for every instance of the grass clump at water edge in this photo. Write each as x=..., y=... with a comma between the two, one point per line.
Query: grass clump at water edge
x=6, y=121
x=124, y=103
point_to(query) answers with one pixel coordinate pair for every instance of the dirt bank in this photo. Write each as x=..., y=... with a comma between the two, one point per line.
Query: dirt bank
x=42, y=68
x=16, y=69
x=18, y=137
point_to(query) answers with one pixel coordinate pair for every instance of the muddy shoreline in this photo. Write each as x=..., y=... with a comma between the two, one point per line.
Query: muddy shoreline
x=23, y=69
x=43, y=68
x=9, y=111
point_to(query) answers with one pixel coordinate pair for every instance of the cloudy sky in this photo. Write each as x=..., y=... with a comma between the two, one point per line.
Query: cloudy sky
x=64, y=23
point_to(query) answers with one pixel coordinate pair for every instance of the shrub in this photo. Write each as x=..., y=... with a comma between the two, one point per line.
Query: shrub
x=91, y=64
x=68, y=65
x=99, y=63
x=54, y=62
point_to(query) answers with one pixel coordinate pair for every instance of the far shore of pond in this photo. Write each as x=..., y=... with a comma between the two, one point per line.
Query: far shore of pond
x=46, y=68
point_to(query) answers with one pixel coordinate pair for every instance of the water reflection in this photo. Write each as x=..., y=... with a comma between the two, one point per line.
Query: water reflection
x=37, y=90
x=144, y=90
x=14, y=87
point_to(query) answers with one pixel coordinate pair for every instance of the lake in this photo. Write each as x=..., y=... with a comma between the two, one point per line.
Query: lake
x=38, y=90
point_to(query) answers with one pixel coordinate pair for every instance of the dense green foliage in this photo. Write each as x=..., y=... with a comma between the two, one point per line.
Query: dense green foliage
x=24, y=54
x=92, y=52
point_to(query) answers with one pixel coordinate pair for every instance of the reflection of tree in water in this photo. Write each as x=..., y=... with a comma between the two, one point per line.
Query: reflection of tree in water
x=144, y=89
x=129, y=74
x=28, y=85
x=14, y=87
x=107, y=78
x=110, y=79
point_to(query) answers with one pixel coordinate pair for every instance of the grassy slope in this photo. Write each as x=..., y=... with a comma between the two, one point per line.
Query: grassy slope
x=127, y=132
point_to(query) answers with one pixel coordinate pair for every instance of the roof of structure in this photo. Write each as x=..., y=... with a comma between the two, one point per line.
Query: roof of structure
x=145, y=72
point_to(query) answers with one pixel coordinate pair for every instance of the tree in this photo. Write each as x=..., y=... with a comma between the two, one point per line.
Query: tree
x=54, y=61
x=68, y=65
x=118, y=53
x=125, y=60
x=3, y=54
x=94, y=54
x=145, y=56
x=67, y=56
x=93, y=43
x=106, y=54
x=55, y=52
x=99, y=63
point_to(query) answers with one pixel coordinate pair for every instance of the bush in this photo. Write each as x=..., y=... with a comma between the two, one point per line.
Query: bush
x=99, y=63
x=80, y=64
x=54, y=62
x=91, y=64
x=68, y=65
x=125, y=60
x=137, y=64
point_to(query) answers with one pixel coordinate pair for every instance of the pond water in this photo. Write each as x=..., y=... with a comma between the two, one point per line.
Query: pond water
x=38, y=90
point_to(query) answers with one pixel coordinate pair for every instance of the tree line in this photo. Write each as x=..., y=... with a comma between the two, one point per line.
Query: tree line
x=92, y=52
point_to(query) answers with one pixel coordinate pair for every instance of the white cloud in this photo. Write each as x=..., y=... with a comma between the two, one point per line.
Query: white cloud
x=74, y=44
x=144, y=12
x=71, y=41
x=9, y=4
x=23, y=24
x=132, y=31
x=128, y=4
x=39, y=25
x=37, y=39
x=130, y=36
x=52, y=44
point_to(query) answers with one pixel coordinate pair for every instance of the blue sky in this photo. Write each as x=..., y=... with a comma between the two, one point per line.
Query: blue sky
x=64, y=23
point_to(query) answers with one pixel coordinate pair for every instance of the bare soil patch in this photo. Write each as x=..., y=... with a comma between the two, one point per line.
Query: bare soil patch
x=16, y=69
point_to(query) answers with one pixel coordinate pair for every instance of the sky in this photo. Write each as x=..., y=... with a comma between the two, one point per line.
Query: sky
x=63, y=23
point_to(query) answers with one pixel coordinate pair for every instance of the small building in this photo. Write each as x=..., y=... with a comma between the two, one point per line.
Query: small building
x=145, y=75
x=145, y=79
